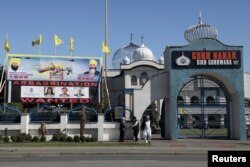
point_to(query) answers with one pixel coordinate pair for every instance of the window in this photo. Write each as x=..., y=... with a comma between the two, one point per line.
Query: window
x=180, y=100
x=210, y=100
x=143, y=78
x=194, y=100
x=133, y=80
x=247, y=103
x=211, y=118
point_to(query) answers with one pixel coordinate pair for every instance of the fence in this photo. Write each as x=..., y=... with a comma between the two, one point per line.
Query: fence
x=103, y=131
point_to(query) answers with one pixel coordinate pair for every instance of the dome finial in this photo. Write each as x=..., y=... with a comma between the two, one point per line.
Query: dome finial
x=200, y=19
x=131, y=37
x=142, y=39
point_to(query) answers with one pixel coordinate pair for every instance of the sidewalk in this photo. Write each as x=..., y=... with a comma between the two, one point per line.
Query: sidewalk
x=196, y=147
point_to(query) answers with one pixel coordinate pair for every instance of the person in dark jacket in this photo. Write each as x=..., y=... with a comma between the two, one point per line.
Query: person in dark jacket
x=122, y=129
x=135, y=127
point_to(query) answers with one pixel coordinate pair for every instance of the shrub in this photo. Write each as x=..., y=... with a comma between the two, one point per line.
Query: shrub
x=82, y=138
x=1, y=138
x=93, y=139
x=43, y=138
x=28, y=137
x=76, y=138
x=21, y=137
x=35, y=139
x=59, y=137
x=6, y=139
x=56, y=137
x=63, y=137
x=69, y=139
x=13, y=138
x=87, y=139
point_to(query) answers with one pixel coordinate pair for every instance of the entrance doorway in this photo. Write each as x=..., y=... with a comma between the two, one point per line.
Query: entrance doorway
x=154, y=113
x=202, y=110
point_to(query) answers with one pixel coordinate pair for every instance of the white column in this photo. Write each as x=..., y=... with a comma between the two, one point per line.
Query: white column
x=24, y=127
x=159, y=105
x=100, y=127
x=63, y=123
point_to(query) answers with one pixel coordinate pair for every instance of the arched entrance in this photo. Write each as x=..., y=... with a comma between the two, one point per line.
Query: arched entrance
x=200, y=58
x=154, y=113
x=152, y=92
x=203, y=109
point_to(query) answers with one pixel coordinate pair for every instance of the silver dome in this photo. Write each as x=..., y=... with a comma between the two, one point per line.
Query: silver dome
x=143, y=53
x=120, y=54
x=200, y=30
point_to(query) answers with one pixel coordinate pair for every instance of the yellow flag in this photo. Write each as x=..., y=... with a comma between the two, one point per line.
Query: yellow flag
x=38, y=41
x=7, y=45
x=58, y=41
x=71, y=44
x=105, y=48
x=40, y=38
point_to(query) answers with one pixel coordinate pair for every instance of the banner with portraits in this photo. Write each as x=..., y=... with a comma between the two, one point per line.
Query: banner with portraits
x=54, y=92
x=53, y=68
x=53, y=79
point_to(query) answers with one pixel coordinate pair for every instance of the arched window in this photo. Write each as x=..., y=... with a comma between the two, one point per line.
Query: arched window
x=210, y=100
x=143, y=78
x=247, y=103
x=133, y=80
x=180, y=100
x=194, y=100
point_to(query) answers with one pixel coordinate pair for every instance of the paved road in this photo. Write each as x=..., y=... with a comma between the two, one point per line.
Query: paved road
x=162, y=153
x=105, y=160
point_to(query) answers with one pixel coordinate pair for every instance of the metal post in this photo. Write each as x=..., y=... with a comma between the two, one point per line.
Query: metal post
x=106, y=37
x=202, y=108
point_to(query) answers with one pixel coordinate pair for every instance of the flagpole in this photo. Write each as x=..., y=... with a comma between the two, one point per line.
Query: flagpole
x=5, y=78
x=2, y=78
x=55, y=49
x=5, y=87
x=40, y=43
x=106, y=53
x=39, y=49
x=2, y=81
x=71, y=45
x=106, y=37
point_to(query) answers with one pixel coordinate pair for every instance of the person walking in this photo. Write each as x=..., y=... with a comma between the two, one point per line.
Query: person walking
x=122, y=129
x=135, y=127
x=146, y=129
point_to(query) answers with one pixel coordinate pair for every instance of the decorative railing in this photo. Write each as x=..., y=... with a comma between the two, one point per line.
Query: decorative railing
x=45, y=114
x=74, y=116
x=9, y=114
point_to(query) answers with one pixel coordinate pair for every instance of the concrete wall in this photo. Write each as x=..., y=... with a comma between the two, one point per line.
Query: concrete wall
x=247, y=85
